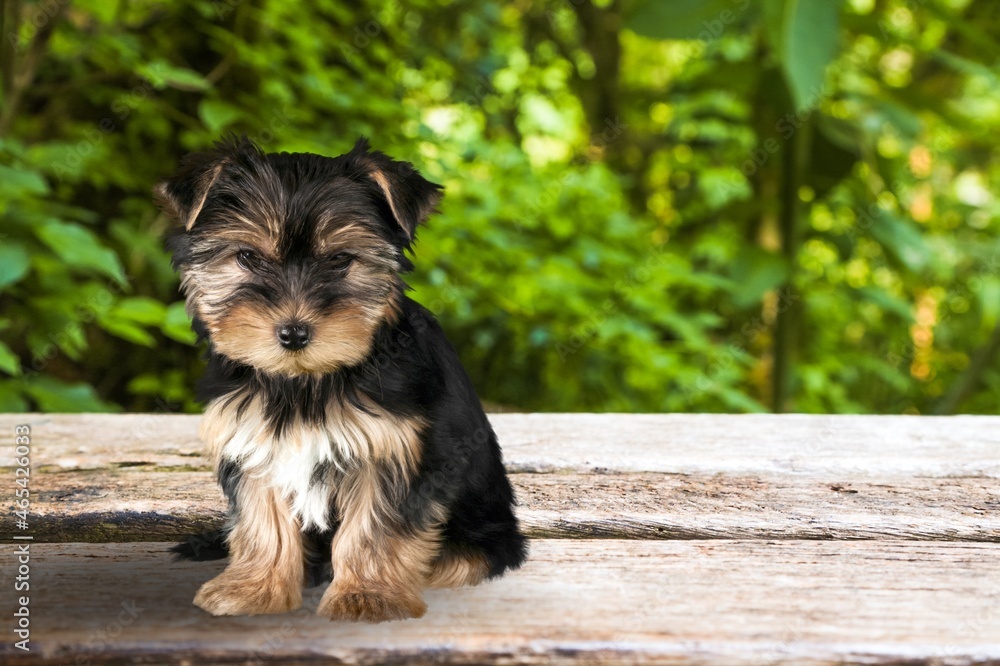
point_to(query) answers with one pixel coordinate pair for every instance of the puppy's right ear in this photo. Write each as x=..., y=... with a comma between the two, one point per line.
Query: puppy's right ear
x=182, y=196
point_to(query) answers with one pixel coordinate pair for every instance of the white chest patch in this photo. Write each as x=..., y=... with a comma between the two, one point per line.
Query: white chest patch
x=294, y=468
x=303, y=462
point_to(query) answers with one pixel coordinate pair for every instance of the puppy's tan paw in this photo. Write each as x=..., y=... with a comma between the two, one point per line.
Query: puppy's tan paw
x=361, y=605
x=456, y=567
x=228, y=595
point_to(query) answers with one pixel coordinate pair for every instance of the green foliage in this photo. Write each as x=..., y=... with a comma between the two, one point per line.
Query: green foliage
x=804, y=35
x=723, y=205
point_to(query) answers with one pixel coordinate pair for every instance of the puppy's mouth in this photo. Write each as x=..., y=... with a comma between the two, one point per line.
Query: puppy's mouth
x=299, y=366
x=298, y=343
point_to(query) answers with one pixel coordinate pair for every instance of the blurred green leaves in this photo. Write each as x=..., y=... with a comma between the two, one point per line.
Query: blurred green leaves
x=614, y=235
x=55, y=396
x=805, y=37
x=14, y=261
x=79, y=248
x=687, y=19
x=9, y=361
x=162, y=74
x=218, y=115
x=902, y=240
x=754, y=273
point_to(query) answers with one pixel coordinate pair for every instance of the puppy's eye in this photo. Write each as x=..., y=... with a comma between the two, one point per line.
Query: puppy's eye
x=248, y=260
x=342, y=260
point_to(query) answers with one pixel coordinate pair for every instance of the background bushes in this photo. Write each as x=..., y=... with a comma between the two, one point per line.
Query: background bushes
x=721, y=205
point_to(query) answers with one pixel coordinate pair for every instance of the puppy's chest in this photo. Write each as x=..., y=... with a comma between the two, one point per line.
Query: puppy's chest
x=306, y=461
x=305, y=467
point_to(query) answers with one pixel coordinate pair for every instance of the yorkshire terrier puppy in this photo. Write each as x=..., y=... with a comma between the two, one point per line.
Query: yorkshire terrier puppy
x=340, y=420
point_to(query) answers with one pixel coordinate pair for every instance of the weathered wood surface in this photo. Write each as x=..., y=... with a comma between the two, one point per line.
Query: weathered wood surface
x=858, y=446
x=621, y=602
x=131, y=504
x=143, y=478
x=696, y=539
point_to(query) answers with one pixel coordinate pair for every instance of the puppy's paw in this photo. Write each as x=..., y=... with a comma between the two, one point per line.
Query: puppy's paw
x=229, y=595
x=456, y=567
x=369, y=605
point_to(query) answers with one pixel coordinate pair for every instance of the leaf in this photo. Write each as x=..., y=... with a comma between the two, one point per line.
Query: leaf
x=126, y=330
x=754, y=273
x=217, y=115
x=177, y=324
x=805, y=36
x=683, y=326
x=140, y=309
x=146, y=384
x=53, y=395
x=11, y=398
x=989, y=301
x=887, y=301
x=774, y=21
x=13, y=264
x=15, y=182
x=833, y=156
x=80, y=248
x=902, y=119
x=162, y=74
x=741, y=401
x=900, y=238
x=963, y=65
x=9, y=362
x=687, y=19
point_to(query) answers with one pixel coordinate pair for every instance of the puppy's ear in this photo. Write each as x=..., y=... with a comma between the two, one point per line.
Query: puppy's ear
x=182, y=196
x=410, y=196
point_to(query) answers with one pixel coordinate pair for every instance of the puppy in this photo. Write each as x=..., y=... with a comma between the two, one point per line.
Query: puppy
x=340, y=420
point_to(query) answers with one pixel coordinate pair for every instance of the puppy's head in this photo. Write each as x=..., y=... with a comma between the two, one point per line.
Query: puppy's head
x=291, y=262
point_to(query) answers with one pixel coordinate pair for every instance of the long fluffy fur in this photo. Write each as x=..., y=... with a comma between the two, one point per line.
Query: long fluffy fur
x=367, y=453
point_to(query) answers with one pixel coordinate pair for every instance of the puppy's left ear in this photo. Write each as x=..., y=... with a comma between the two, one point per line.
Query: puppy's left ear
x=183, y=196
x=410, y=196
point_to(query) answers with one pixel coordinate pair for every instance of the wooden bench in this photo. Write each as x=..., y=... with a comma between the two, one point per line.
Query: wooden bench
x=656, y=539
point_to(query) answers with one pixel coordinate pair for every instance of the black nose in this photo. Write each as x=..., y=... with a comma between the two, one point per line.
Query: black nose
x=293, y=337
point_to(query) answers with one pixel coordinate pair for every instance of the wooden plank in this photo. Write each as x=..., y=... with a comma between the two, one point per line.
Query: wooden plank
x=141, y=504
x=143, y=477
x=575, y=602
x=854, y=446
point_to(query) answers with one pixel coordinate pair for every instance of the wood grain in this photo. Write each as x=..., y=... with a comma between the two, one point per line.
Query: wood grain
x=666, y=539
x=854, y=446
x=143, y=477
x=719, y=602
x=131, y=504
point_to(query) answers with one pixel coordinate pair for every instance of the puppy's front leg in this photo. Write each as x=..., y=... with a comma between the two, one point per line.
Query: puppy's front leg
x=381, y=558
x=266, y=567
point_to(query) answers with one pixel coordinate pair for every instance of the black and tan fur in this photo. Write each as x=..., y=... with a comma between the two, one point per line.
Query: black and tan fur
x=342, y=423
